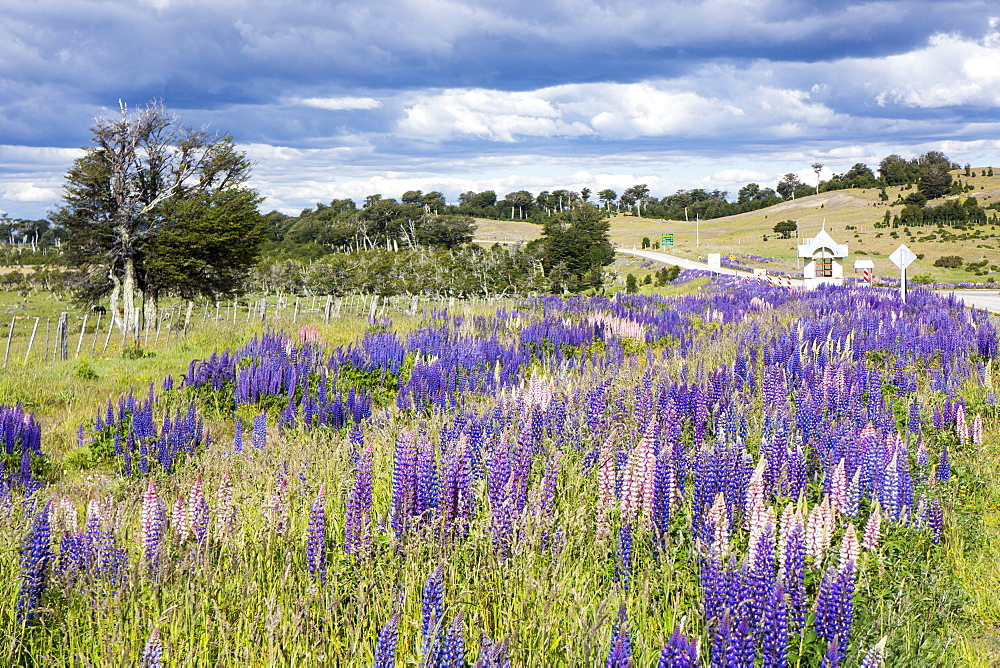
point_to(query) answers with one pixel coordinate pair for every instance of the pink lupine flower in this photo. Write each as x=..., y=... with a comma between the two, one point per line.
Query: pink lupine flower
x=873, y=529
x=606, y=484
x=539, y=392
x=637, y=487
x=819, y=531
x=152, y=524
x=181, y=519
x=838, y=488
x=62, y=517
x=227, y=511
x=791, y=521
x=762, y=523
x=754, y=504
x=869, y=430
x=961, y=426
x=977, y=429
x=719, y=518
x=850, y=551
x=275, y=507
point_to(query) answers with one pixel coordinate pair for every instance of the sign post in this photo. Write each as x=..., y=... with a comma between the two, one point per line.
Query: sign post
x=902, y=257
x=668, y=239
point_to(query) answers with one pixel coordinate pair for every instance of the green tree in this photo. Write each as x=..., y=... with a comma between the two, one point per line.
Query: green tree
x=607, y=197
x=788, y=184
x=934, y=181
x=786, y=228
x=445, y=231
x=577, y=240
x=631, y=284
x=128, y=191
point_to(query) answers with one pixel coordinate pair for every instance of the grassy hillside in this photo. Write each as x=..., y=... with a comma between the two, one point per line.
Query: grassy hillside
x=839, y=210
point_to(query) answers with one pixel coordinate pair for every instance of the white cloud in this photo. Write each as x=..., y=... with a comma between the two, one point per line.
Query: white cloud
x=21, y=191
x=339, y=103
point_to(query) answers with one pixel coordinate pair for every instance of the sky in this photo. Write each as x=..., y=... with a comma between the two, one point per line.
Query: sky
x=336, y=99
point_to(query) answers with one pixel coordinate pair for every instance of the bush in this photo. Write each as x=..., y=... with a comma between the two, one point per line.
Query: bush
x=922, y=279
x=949, y=261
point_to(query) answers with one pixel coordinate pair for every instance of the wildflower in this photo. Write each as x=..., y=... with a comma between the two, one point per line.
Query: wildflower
x=35, y=557
x=359, y=506
x=873, y=658
x=873, y=529
x=432, y=608
x=961, y=425
x=680, y=651
x=316, y=536
x=977, y=429
x=152, y=653
x=152, y=526
x=226, y=510
x=838, y=488
x=620, y=652
x=385, y=646
x=944, y=466
x=606, y=485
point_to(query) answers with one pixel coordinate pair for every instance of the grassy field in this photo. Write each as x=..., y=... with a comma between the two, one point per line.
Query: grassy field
x=837, y=210
x=250, y=594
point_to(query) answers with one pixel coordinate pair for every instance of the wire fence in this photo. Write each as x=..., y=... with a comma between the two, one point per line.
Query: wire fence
x=36, y=339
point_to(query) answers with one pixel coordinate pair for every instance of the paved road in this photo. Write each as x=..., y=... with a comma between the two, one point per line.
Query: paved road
x=987, y=299
x=665, y=258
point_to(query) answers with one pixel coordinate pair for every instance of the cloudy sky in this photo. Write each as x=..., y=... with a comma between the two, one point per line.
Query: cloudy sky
x=344, y=99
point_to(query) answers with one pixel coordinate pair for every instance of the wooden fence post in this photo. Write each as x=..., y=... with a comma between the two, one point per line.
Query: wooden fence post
x=83, y=328
x=10, y=335
x=62, y=336
x=97, y=332
x=31, y=340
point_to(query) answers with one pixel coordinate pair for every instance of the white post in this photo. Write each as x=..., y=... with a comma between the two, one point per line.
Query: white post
x=902, y=283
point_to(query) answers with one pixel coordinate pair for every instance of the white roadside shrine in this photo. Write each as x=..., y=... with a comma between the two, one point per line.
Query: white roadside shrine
x=824, y=260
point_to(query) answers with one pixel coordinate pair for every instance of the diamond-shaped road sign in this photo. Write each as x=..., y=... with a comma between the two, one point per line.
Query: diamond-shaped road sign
x=902, y=257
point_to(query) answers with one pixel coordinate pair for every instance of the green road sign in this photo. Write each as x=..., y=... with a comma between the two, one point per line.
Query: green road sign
x=668, y=238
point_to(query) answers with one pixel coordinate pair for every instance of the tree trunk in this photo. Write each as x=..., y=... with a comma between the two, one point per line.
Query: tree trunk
x=128, y=299
x=116, y=291
x=150, y=302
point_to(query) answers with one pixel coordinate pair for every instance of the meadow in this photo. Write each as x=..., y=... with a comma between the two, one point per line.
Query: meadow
x=743, y=476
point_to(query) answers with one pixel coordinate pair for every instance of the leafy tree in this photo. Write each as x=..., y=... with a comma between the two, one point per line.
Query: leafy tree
x=607, y=196
x=788, y=185
x=897, y=171
x=411, y=197
x=645, y=243
x=635, y=196
x=748, y=193
x=786, y=228
x=520, y=201
x=934, y=181
x=577, y=240
x=445, y=231
x=631, y=284
x=585, y=194
x=146, y=177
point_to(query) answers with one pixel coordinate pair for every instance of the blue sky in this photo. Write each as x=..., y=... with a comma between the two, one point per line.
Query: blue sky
x=345, y=99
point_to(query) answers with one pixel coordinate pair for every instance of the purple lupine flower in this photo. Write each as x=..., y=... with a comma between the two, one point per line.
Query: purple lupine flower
x=316, y=536
x=835, y=606
x=259, y=437
x=620, y=651
x=935, y=520
x=35, y=557
x=357, y=524
x=153, y=519
x=793, y=577
x=623, y=564
x=452, y=651
x=432, y=608
x=385, y=646
x=944, y=466
x=493, y=655
x=152, y=653
x=404, y=482
x=680, y=651
x=873, y=658
x=775, y=626
x=238, y=436
x=834, y=654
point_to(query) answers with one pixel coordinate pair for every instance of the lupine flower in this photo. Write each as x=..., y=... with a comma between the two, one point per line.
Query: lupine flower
x=838, y=488
x=850, y=551
x=226, y=512
x=316, y=536
x=623, y=565
x=718, y=519
x=755, y=504
x=359, y=506
x=35, y=557
x=835, y=607
x=935, y=520
x=152, y=527
x=385, y=646
x=493, y=655
x=680, y=651
x=637, y=484
x=432, y=609
x=775, y=629
x=620, y=652
x=275, y=507
x=819, y=531
x=180, y=519
x=873, y=529
x=977, y=429
x=452, y=651
x=238, y=436
x=198, y=512
x=944, y=466
x=259, y=437
x=606, y=484
x=961, y=426
x=152, y=653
